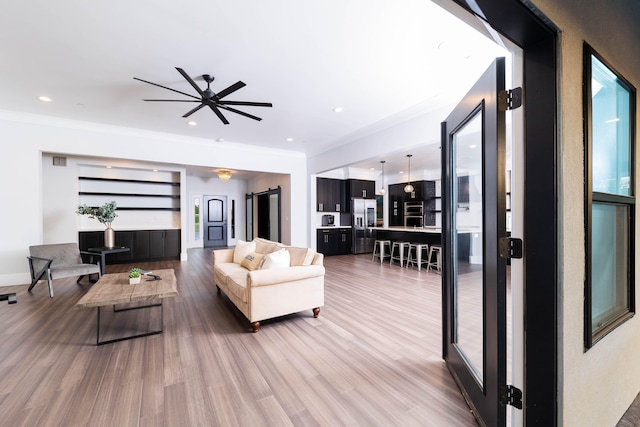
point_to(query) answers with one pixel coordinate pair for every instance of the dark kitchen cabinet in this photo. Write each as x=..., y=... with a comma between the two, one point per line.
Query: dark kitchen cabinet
x=396, y=205
x=330, y=195
x=361, y=189
x=424, y=191
x=144, y=245
x=334, y=241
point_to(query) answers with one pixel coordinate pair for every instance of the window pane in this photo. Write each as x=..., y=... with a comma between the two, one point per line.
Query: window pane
x=611, y=131
x=609, y=263
x=196, y=218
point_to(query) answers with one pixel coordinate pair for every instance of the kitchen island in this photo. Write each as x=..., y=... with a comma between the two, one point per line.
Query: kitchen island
x=428, y=235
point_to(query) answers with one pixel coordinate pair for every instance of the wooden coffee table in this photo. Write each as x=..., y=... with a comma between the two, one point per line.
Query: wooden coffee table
x=114, y=290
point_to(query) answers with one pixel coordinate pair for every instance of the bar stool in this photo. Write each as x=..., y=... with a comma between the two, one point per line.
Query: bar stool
x=381, y=249
x=435, y=250
x=416, y=250
x=398, y=250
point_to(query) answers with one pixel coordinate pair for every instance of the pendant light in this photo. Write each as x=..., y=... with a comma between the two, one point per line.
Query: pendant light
x=409, y=188
x=382, y=190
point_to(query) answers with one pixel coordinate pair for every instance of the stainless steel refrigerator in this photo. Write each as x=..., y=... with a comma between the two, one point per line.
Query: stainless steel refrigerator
x=363, y=212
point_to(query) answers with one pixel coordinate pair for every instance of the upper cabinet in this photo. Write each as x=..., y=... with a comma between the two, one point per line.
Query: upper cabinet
x=361, y=189
x=334, y=195
x=330, y=195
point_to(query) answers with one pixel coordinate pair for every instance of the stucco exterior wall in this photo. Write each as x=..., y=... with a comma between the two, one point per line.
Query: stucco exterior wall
x=596, y=386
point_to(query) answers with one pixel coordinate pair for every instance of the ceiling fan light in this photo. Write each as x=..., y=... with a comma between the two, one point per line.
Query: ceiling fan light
x=224, y=175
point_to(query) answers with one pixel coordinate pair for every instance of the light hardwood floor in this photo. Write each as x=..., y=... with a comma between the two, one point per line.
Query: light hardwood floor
x=372, y=358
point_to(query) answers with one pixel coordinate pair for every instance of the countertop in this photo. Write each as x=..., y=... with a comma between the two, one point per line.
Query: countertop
x=430, y=230
x=332, y=227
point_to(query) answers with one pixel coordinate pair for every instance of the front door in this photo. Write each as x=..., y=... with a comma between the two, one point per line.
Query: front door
x=474, y=219
x=215, y=221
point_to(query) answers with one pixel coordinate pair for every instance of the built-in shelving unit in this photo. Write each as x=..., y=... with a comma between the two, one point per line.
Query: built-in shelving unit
x=130, y=194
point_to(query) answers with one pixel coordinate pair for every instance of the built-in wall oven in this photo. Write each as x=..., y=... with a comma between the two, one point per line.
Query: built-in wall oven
x=413, y=214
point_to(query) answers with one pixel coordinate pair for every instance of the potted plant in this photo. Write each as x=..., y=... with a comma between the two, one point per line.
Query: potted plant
x=134, y=276
x=105, y=214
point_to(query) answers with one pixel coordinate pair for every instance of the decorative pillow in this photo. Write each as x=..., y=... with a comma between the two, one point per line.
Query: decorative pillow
x=277, y=259
x=309, y=258
x=242, y=250
x=298, y=255
x=252, y=261
x=264, y=246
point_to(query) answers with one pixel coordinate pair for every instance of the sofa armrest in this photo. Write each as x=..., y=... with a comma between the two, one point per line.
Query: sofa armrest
x=282, y=275
x=222, y=255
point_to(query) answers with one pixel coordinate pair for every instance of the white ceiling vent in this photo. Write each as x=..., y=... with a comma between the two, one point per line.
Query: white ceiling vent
x=59, y=161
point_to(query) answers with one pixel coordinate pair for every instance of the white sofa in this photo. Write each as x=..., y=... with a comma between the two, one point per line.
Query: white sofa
x=256, y=278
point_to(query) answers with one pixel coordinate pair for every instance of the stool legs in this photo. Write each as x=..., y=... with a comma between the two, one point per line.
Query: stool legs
x=434, y=250
x=381, y=249
x=416, y=251
x=397, y=252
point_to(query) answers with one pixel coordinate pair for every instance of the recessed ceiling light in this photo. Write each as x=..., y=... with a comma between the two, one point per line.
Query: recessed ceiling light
x=155, y=170
x=289, y=139
x=108, y=167
x=44, y=98
x=338, y=110
x=191, y=123
x=473, y=146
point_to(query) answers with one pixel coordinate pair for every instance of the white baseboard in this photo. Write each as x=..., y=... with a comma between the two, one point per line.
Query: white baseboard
x=15, y=279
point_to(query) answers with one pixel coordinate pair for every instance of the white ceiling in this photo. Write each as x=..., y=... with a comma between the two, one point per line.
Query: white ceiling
x=378, y=59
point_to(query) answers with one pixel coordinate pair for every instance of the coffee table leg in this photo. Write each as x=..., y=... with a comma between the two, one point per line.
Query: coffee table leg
x=146, y=334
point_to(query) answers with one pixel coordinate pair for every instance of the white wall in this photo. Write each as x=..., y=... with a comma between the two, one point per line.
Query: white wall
x=27, y=137
x=234, y=189
x=290, y=214
x=596, y=386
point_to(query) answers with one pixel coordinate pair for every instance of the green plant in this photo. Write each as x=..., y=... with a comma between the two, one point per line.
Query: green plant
x=105, y=213
x=135, y=272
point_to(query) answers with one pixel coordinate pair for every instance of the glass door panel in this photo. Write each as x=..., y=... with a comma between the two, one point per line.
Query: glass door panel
x=468, y=257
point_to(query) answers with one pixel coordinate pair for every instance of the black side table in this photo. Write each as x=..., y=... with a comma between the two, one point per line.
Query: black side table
x=104, y=251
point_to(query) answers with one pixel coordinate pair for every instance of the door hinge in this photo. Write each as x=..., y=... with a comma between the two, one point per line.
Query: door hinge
x=510, y=247
x=510, y=99
x=510, y=395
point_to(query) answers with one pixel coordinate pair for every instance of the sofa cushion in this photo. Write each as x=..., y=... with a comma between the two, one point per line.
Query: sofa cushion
x=264, y=246
x=242, y=250
x=237, y=284
x=300, y=256
x=277, y=259
x=252, y=261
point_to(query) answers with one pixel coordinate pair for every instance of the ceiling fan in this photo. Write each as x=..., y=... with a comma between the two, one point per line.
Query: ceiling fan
x=209, y=98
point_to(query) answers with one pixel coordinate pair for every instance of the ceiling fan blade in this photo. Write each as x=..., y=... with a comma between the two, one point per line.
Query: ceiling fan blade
x=193, y=111
x=174, y=100
x=234, y=87
x=218, y=113
x=242, y=113
x=253, y=104
x=190, y=80
x=168, y=88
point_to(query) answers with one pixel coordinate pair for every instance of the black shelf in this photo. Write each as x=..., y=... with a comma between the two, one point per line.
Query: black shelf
x=134, y=181
x=99, y=193
x=148, y=209
x=124, y=184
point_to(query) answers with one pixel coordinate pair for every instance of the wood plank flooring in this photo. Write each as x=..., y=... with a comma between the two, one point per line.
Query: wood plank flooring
x=372, y=358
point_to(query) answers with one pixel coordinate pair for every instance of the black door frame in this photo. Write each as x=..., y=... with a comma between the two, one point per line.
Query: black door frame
x=538, y=39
